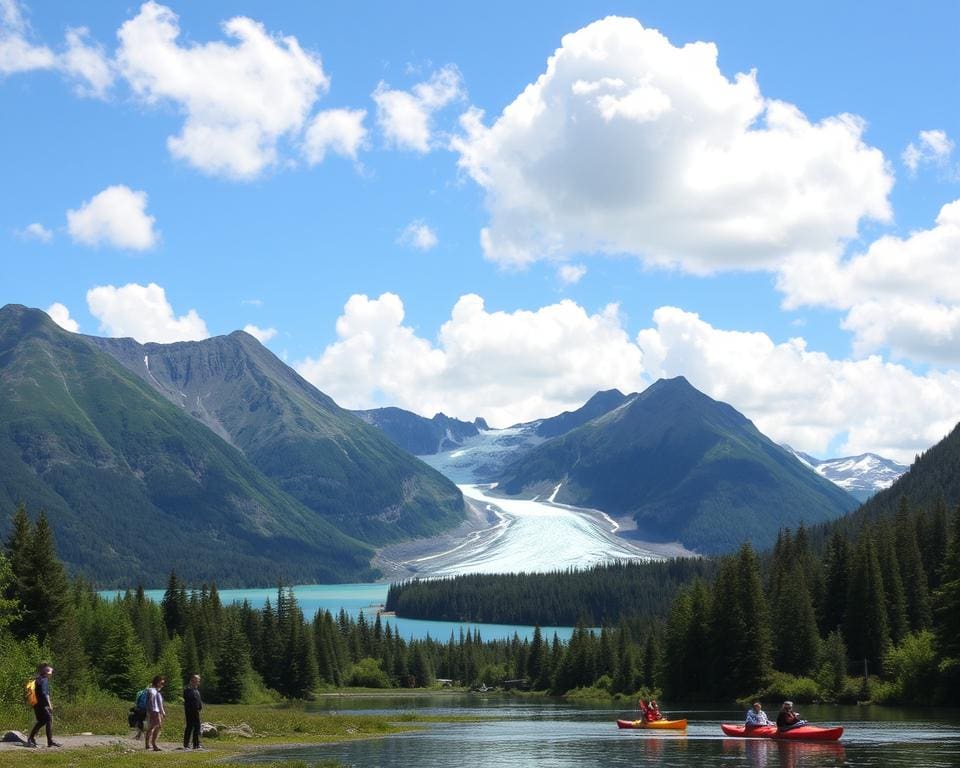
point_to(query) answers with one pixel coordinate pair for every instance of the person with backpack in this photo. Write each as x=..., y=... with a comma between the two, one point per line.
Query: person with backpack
x=155, y=712
x=192, y=704
x=138, y=713
x=42, y=706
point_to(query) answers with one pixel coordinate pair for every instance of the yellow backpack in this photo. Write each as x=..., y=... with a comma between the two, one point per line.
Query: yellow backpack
x=31, y=688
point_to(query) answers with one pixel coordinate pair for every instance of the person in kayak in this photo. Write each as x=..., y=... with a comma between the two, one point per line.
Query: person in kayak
x=756, y=716
x=787, y=718
x=653, y=712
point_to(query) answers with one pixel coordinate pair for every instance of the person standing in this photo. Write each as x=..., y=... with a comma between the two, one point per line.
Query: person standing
x=155, y=712
x=43, y=708
x=192, y=704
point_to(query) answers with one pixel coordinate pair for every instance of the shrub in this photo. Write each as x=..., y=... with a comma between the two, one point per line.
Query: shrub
x=366, y=673
x=782, y=686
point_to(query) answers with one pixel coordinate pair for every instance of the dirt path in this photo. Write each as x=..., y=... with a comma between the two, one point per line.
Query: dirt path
x=86, y=740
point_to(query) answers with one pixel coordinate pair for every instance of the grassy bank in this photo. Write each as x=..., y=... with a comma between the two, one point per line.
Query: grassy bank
x=287, y=723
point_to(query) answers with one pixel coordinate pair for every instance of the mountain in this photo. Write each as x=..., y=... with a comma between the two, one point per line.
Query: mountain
x=933, y=475
x=861, y=476
x=599, y=404
x=685, y=467
x=324, y=456
x=419, y=435
x=134, y=486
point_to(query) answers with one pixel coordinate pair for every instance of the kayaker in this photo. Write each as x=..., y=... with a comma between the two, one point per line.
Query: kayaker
x=653, y=712
x=756, y=716
x=787, y=718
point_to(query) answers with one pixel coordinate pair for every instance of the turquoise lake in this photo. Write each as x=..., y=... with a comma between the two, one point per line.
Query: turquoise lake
x=354, y=598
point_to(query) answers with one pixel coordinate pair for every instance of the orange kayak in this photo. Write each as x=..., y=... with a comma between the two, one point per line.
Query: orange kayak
x=655, y=725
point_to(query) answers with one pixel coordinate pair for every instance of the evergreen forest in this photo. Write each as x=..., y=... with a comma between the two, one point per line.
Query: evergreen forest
x=872, y=616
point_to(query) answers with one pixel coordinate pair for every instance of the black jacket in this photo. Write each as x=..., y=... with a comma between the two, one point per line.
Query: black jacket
x=191, y=700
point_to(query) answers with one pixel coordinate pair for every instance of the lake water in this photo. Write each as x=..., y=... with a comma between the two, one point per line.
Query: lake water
x=552, y=734
x=354, y=598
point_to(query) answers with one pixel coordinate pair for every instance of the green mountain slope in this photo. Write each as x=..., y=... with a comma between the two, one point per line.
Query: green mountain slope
x=132, y=485
x=685, y=467
x=933, y=475
x=324, y=456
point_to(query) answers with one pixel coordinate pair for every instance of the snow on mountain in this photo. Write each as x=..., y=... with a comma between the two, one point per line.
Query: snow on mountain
x=862, y=476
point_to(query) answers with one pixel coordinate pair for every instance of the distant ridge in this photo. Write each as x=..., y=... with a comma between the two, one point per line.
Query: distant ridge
x=685, y=467
x=861, y=476
x=419, y=435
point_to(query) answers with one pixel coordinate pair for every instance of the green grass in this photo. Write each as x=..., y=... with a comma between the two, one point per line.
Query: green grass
x=287, y=723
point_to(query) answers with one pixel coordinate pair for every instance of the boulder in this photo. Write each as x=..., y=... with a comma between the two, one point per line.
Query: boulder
x=209, y=730
x=14, y=736
x=243, y=730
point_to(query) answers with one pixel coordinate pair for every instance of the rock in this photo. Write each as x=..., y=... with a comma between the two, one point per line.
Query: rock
x=209, y=730
x=243, y=730
x=14, y=736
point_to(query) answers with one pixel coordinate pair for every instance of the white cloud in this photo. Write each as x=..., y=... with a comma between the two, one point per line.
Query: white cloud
x=17, y=53
x=116, y=217
x=61, y=316
x=406, y=117
x=932, y=148
x=239, y=100
x=628, y=144
x=571, y=273
x=263, y=335
x=803, y=397
x=143, y=313
x=901, y=293
x=522, y=365
x=505, y=366
x=336, y=130
x=417, y=234
x=82, y=61
x=36, y=231
x=87, y=63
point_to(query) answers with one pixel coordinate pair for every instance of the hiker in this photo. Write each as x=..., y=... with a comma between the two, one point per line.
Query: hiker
x=43, y=708
x=756, y=716
x=192, y=704
x=155, y=712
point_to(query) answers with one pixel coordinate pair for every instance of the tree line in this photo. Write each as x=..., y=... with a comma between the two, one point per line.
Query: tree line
x=846, y=616
x=598, y=596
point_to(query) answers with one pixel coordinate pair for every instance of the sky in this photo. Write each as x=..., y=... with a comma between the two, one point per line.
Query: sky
x=497, y=209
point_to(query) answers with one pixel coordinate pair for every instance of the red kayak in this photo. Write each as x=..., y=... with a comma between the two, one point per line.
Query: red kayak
x=800, y=733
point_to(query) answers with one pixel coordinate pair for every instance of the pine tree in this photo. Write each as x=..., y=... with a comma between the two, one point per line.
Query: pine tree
x=892, y=584
x=123, y=666
x=796, y=638
x=915, y=584
x=866, y=630
x=739, y=626
x=174, y=606
x=837, y=561
x=9, y=605
x=535, y=656
x=18, y=556
x=40, y=581
x=233, y=662
x=947, y=601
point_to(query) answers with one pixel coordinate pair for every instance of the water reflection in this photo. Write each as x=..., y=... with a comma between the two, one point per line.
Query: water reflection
x=555, y=734
x=765, y=753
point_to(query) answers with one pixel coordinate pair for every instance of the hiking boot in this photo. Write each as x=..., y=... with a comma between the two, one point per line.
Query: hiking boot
x=31, y=743
x=54, y=744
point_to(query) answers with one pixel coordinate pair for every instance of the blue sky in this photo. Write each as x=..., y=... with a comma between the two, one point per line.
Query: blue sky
x=412, y=207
